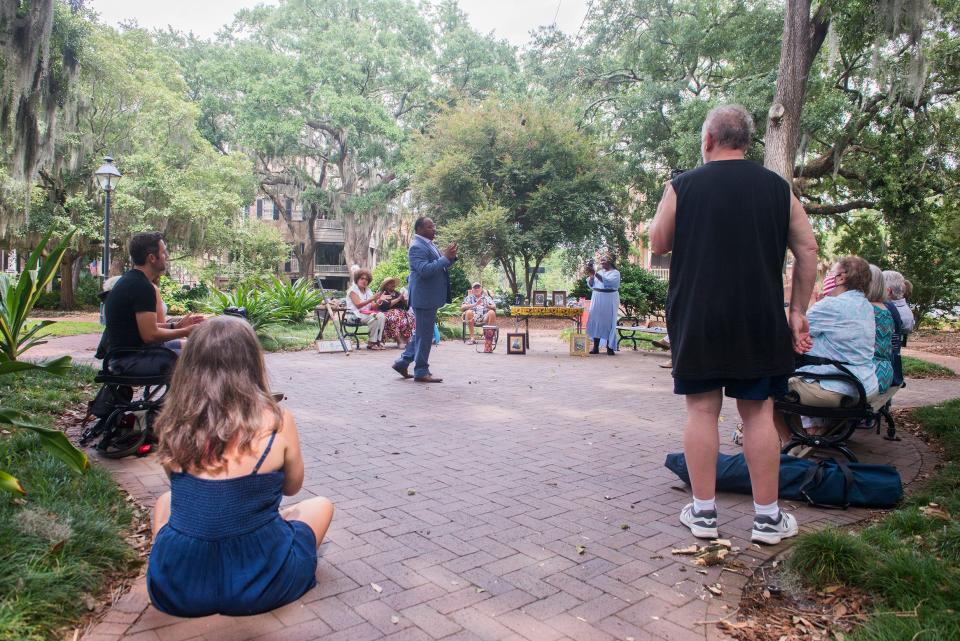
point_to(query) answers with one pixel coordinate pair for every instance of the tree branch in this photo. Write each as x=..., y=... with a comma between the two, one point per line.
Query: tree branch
x=832, y=210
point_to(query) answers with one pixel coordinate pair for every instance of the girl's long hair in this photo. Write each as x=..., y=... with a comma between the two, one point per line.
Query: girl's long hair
x=218, y=396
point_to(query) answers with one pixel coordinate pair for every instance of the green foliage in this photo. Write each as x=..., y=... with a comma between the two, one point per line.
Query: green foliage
x=66, y=539
x=18, y=299
x=909, y=561
x=182, y=299
x=513, y=182
x=256, y=250
x=293, y=301
x=88, y=288
x=251, y=295
x=395, y=266
x=641, y=292
x=917, y=368
x=828, y=557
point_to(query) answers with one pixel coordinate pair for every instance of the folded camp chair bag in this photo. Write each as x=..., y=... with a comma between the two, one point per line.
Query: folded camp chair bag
x=826, y=482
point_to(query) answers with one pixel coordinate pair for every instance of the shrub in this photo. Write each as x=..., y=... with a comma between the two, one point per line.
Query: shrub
x=293, y=301
x=88, y=288
x=261, y=311
x=830, y=556
x=181, y=299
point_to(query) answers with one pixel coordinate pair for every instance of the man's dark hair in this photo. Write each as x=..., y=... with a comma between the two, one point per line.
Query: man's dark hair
x=144, y=244
x=418, y=223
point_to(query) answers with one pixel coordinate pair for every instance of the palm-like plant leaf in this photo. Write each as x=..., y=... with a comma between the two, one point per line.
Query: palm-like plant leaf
x=54, y=441
x=17, y=301
x=10, y=483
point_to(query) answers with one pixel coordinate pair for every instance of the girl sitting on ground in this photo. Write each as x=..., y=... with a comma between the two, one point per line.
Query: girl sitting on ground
x=221, y=542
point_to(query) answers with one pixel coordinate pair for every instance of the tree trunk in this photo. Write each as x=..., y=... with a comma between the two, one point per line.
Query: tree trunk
x=67, y=298
x=802, y=37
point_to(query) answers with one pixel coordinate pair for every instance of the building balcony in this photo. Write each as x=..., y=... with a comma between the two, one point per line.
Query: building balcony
x=328, y=231
x=332, y=270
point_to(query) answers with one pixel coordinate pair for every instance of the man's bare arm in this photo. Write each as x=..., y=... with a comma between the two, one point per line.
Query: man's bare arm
x=664, y=223
x=150, y=333
x=803, y=244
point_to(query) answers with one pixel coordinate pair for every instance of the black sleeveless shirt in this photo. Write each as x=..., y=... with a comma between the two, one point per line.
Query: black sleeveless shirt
x=725, y=309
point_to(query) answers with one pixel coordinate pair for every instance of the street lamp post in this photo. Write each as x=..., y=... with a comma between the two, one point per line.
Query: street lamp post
x=107, y=177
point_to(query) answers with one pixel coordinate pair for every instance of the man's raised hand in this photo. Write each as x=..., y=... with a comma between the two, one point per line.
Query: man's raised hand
x=451, y=252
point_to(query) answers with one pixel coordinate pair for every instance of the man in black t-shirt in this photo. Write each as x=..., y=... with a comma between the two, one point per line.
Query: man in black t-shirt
x=130, y=312
x=728, y=224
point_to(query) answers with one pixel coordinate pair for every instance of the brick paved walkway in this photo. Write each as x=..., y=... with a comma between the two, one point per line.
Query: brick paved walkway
x=465, y=503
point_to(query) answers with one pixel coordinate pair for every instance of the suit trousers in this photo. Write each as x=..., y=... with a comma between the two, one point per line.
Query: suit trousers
x=418, y=348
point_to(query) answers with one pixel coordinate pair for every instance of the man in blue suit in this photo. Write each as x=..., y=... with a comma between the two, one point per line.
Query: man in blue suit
x=429, y=288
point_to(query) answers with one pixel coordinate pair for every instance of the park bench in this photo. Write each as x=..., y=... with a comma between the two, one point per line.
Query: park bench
x=352, y=329
x=630, y=330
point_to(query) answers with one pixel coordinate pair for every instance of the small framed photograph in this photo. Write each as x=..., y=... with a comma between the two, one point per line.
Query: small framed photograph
x=516, y=343
x=539, y=298
x=559, y=298
x=579, y=345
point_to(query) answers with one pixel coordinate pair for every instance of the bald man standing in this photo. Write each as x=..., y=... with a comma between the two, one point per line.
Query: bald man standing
x=728, y=224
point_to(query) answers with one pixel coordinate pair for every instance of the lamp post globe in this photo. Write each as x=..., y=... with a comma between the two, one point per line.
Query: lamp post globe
x=107, y=177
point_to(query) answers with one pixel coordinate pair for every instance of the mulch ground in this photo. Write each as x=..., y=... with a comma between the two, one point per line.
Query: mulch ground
x=945, y=342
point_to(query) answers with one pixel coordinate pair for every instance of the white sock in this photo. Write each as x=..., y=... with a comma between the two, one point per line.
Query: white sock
x=772, y=510
x=708, y=505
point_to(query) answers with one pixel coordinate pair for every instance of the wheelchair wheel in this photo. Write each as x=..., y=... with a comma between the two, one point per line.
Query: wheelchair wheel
x=125, y=432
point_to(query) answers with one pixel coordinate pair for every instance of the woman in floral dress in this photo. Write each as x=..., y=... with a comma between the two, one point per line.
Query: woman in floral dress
x=399, y=321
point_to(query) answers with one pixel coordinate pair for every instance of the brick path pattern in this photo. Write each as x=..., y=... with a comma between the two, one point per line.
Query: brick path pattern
x=523, y=499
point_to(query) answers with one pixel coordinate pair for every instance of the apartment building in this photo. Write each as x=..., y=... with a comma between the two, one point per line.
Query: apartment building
x=329, y=261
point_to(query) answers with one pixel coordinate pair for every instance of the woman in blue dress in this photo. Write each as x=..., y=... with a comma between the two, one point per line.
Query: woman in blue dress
x=604, y=305
x=221, y=542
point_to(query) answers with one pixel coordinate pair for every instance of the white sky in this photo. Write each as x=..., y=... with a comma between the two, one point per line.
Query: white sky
x=511, y=19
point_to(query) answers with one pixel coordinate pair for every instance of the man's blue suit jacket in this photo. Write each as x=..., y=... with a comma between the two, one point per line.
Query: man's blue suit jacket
x=429, y=282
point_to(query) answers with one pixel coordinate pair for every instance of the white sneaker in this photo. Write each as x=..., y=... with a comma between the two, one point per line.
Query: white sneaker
x=703, y=525
x=771, y=531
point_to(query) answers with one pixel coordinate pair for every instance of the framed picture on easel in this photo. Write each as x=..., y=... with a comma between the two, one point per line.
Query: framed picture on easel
x=539, y=298
x=559, y=298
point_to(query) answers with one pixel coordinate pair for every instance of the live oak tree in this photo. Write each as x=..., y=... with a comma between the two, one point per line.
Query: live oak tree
x=513, y=182
x=322, y=96
x=129, y=101
x=863, y=95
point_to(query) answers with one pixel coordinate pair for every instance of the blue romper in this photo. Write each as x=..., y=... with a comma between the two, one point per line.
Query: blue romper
x=226, y=550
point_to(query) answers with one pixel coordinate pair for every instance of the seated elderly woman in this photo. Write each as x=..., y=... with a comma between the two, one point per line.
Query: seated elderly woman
x=362, y=308
x=843, y=329
x=885, y=328
x=398, y=320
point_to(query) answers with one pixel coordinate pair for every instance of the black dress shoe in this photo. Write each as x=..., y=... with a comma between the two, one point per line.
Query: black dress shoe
x=594, y=351
x=610, y=352
x=401, y=370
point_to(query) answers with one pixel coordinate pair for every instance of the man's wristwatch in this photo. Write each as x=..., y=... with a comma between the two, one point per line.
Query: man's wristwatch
x=171, y=325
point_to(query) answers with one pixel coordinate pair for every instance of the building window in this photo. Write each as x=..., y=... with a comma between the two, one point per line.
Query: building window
x=259, y=208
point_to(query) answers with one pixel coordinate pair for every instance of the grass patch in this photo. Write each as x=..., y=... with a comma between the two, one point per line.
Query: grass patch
x=916, y=368
x=72, y=328
x=292, y=337
x=910, y=561
x=64, y=540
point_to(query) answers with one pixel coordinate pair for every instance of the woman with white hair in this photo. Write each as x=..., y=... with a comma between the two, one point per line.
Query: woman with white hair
x=896, y=287
x=883, y=343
